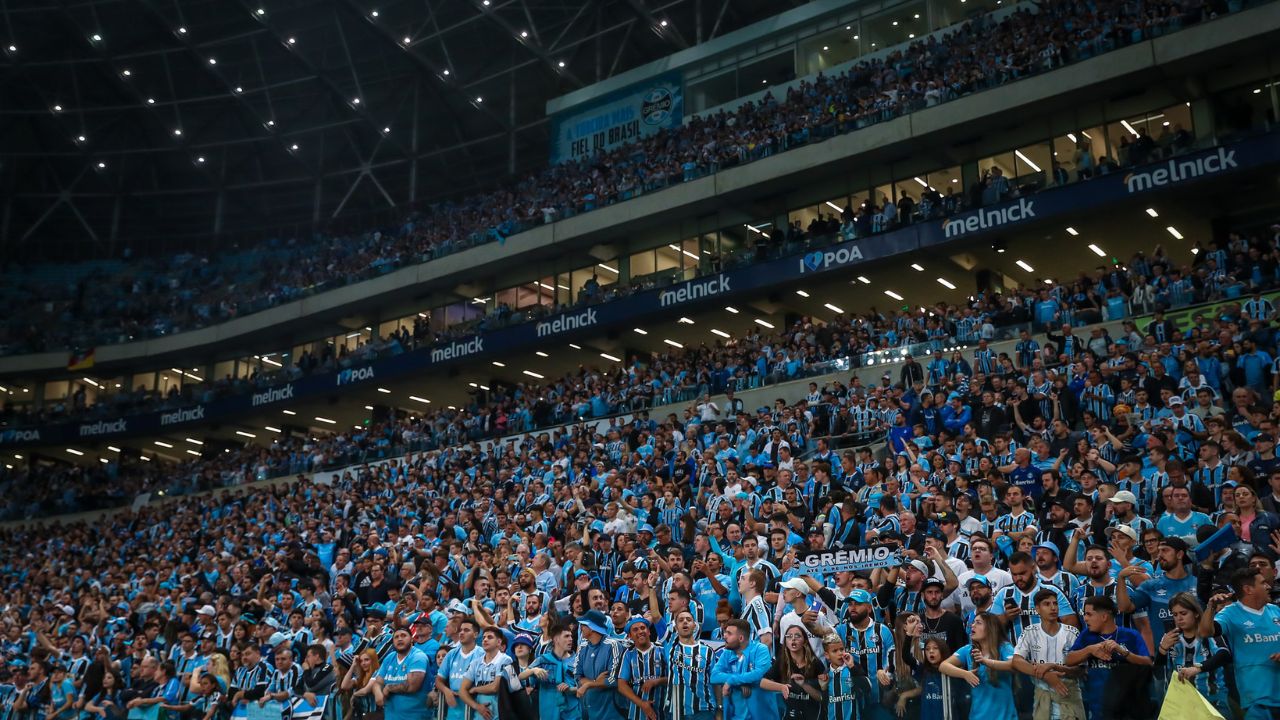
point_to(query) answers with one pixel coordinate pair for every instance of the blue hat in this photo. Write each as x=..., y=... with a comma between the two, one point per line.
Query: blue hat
x=860, y=597
x=522, y=639
x=579, y=573
x=595, y=620
x=646, y=527
x=1051, y=547
x=376, y=612
x=277, y=639
x=637, y=620
x=981, y=579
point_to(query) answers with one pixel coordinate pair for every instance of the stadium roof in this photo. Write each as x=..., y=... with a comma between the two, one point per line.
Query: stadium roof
x=162, y=122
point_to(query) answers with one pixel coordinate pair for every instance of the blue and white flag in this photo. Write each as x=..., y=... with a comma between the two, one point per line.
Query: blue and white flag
x=303, y=710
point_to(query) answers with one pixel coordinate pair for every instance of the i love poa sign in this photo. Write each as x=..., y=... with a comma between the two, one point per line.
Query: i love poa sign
x=850, y=559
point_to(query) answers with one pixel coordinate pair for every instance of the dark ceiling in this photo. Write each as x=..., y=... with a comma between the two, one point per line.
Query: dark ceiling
x=219, y=120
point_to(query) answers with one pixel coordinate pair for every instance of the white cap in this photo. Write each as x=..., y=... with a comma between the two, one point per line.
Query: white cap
x=1124, y=496
x=1126, y=530
x=797, y=584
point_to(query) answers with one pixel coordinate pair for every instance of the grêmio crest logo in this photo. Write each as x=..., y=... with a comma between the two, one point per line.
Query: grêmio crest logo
x=15, y=436
x=104, y=427
x=274, y=395
x=184, y=415
x=695, y=291
x=354, y=375
x=1176, y=170
x=456, y=350
x=823, y=259
x=576, y=321
x=989, y=218
x=851, y=559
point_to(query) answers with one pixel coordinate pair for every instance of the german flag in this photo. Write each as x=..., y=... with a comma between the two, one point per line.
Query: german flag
x=82, y=360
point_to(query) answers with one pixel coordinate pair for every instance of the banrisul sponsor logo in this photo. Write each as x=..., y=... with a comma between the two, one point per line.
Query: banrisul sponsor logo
x=104, y=427
x=456, y=350
x=989, y=218
x=274, y=395
x=717, y=285
x=354, y=375
x=185, y=415
x=565, y=323
x=16, y=436
x=823, y=259
x=1179, y=169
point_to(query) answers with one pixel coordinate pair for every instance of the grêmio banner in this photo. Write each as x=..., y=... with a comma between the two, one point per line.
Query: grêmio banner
x=825, y=562
x=618, y=118
x=751, y=281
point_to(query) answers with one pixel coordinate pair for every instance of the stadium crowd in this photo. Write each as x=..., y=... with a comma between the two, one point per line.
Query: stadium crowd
x=154, y=296
x=1241, y=266
x=1076, y=529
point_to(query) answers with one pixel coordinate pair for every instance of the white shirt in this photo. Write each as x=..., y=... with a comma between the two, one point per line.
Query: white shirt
x=1039, y=647
x=960, y=598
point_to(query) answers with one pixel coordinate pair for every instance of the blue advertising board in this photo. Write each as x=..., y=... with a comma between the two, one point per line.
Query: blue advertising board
x=751, y=280
x=618, y=118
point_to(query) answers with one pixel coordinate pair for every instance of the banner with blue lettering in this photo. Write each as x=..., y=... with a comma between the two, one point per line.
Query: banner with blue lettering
x=751, y=280
x=620, y=117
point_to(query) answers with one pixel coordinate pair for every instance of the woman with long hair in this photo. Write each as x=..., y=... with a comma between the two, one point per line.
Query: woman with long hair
x=795, y=672
x=1250, y=509
x=907, y=632
x=1186, y=657
x=107, y=702
x=986, y=664
x=359, y=682
x=216, y=665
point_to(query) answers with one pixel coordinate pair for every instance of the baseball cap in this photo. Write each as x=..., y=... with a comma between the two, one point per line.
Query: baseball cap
x=1050, y=547
x=1176, y=543
x=935, y=581
x=860, y=597
x=1125, y=530
x=980, y=579
x=797, y=584
x=948, y=517
x=918, y=565
x=1175, y=400
x=1124, y=496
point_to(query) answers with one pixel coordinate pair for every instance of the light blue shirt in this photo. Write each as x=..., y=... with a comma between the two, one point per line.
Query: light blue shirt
x=1253, y=636
x=394, y=670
